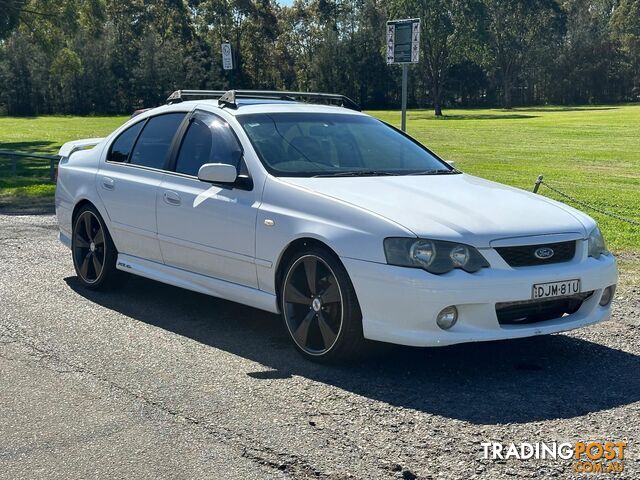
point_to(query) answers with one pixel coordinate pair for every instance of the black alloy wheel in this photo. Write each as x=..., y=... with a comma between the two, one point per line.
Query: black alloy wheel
x=88, y=247
x=319, y=307
x=93, y=251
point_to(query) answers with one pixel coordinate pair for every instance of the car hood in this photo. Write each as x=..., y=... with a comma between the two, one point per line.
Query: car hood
x=456, y=207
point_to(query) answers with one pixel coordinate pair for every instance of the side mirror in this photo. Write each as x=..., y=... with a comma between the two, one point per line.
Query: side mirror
x=217, y=173
x=451, y=162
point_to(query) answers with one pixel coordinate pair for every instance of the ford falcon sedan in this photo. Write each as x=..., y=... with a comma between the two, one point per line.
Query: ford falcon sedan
x=299, y=204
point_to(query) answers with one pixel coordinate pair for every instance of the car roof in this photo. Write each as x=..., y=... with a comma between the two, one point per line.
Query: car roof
x=252, y=106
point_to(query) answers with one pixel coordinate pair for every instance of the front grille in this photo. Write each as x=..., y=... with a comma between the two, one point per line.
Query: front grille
x=531, y=311
x=525, y=255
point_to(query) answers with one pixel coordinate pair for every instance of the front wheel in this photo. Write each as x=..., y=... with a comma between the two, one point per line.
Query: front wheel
x=320, y=308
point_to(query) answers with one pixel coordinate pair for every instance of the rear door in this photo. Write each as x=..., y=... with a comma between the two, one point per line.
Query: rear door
x=128, y=181
x=205, y=228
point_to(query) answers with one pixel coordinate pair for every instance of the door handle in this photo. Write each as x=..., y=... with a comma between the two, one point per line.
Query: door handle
x=172, y=198
x=108, y=183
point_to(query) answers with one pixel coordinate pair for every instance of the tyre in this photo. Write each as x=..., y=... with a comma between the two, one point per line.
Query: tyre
x=93, y=251
x=320, y=308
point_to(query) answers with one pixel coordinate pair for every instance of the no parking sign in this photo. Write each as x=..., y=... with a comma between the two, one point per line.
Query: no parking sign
x=227, y=56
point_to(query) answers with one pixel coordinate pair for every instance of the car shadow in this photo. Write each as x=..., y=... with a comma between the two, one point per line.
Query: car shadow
x=514, y=381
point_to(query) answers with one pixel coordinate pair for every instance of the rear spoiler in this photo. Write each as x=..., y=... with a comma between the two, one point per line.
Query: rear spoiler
x=68, y=148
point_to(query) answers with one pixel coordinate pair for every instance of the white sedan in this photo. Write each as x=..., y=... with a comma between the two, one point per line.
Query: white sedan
x=349, y=228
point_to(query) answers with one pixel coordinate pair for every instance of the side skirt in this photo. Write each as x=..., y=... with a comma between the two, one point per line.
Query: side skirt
x=198, y=283
x=66, y=241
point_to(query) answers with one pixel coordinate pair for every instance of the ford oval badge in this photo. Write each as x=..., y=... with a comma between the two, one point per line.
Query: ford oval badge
x=544, y=253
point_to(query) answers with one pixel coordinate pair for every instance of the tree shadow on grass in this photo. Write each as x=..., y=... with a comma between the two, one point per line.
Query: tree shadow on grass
x=28, y=205
x=37, y=146
x=472, y=116
x=514, y=381
x=16, y=169
x=562, y=109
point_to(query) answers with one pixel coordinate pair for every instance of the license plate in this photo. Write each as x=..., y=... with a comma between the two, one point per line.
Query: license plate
x=555, y=289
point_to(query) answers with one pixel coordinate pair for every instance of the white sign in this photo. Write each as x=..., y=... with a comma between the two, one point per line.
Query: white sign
x=227, y=56
x=403, y=41
x=391, y=34
x=415, y=42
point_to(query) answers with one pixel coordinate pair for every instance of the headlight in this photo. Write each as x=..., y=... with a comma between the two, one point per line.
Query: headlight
x=596, y=243
x=434, y=256
x=423, y=252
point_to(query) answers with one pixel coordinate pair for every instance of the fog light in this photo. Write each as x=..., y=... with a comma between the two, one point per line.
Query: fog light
x=607, y=295
x=447, y=317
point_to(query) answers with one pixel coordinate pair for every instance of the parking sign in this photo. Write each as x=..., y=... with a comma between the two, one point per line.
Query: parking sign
x=227, y=56
x=403, y=41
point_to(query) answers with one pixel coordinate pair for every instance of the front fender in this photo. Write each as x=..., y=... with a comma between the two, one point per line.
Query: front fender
x=289, y=212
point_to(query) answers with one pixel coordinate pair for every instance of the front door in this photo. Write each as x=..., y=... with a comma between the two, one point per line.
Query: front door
x=204, y=228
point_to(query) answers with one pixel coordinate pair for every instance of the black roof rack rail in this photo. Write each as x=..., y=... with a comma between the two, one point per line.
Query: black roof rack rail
x=183, y=95
x=229, y=97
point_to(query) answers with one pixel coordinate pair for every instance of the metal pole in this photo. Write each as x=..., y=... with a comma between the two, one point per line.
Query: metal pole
x=536, y=185
x=232, y=79
x=405, y=69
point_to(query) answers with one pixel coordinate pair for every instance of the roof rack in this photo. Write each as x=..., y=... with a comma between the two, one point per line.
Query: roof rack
x=229, y=98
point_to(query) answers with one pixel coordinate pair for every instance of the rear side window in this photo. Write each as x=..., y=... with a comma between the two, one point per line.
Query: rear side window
x=121, y=148
x=153, y=144
x=209, y=139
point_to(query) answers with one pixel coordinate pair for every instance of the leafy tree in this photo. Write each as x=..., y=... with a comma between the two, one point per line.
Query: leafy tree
x=107, y=56
x=587, y=55
x=65, y=70
x=10, y=11
x=626, y=31
x=515, y=30
x=442, y=25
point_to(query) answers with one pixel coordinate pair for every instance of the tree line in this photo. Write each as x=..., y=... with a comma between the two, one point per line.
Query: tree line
x=112, y=56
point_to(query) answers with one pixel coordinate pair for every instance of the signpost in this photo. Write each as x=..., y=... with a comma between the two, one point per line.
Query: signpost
x=227, y=56
x=403, y=47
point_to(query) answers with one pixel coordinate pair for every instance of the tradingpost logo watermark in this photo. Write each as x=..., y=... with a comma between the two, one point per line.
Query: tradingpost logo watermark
x=587, y=457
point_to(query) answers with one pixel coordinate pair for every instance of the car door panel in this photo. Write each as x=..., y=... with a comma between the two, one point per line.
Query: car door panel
x=130, y=202
x=128, y=182
x=210, y=230
x=205, y=228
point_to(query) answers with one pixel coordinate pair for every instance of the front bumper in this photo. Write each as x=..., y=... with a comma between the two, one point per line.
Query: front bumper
x=400, y=305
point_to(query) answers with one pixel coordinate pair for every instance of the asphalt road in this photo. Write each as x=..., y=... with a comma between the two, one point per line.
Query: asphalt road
x=156, y=382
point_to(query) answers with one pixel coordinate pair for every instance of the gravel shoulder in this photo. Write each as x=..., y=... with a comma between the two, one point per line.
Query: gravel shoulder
x=154, y=382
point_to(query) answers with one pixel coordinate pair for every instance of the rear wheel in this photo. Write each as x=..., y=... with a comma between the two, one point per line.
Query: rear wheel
x=93, y=251
x=320, y=308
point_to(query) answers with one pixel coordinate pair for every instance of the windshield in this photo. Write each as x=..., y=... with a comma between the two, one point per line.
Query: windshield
x=321, y=144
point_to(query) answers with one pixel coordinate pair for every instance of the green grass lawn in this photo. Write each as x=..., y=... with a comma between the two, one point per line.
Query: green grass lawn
x=41, y=135
x=592, y=153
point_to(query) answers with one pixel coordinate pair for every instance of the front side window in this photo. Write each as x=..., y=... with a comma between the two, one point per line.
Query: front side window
x=335, y=144
x=121, y=148
x=155, y=140
x=209, y=139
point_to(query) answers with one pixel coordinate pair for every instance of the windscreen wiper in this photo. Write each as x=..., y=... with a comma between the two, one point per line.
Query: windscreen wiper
x=434, y=172
x=358, y=173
